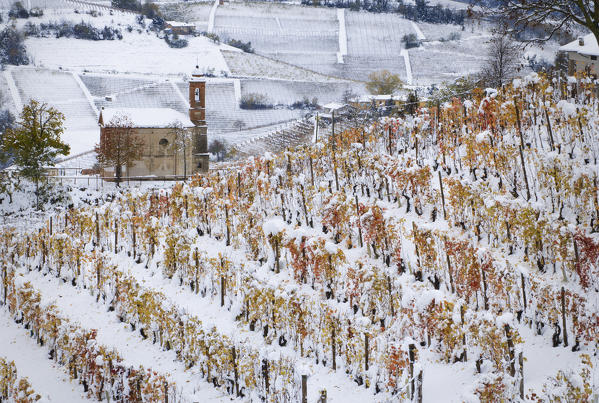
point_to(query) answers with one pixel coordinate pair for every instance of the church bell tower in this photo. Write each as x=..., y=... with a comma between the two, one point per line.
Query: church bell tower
x=197, y=115
x=197, y=98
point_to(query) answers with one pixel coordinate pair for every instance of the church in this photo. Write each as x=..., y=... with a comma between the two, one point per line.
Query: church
x=161, y=155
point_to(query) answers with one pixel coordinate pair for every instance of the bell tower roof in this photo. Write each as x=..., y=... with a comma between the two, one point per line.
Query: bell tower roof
x=197, y=74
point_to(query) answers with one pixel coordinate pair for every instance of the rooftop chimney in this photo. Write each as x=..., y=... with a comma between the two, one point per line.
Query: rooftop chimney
x=580, y=41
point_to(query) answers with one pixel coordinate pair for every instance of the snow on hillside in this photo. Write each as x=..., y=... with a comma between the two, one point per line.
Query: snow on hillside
x=62, y=91
x=135, y=53
x=32, y=362
x=140, y=50
x=309, y=37
x=257, y=66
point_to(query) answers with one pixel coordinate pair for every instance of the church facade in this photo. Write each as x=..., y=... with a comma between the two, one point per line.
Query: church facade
x=174, y=144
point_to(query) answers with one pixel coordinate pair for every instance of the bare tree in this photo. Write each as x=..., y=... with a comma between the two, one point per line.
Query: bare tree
x=182, y=139
x=218, y=148
x=348, y=96
x=119, y=145
x=503, y=60
x=553, y=15
x=239, y=124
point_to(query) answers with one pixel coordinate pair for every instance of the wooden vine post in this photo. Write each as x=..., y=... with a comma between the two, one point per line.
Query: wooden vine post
x=563, y=298
x=366, y=348
x=519, y=124
x=510, y=345
x=465, y=352
x=283, y=207
x=304, y=388
x=359, y=225
x=116, y=236
x=227, y=223
x=265, y=375
x=525, y=174
x=521, y=366
x=97, y=230
x=442, y=196
x=390, y=290
x=222, y=290
x=196, y=259
x=334, y=345
x=316, y=129
x=311, y=171
x=334, y=152
x=305, y=207
x=4, y=283
x=235, y=372
x=412, y=357
x=134, y=240
x=549, y=131
x=485, y=298
x=450, y=273
x=523, y=290
x=419, y=399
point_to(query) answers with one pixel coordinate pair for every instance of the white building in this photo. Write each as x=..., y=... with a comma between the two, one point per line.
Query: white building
x=582, y=55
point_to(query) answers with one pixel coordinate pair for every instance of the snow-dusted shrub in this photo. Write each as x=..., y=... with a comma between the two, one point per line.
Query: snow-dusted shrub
x=245, y=46
x=174, y=41
x=12, y=47
x=18, y=11
x=254, y=101
x=410, y=41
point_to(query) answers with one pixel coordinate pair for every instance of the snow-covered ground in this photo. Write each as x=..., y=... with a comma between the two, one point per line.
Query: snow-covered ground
x=135, y=53
x=31, y=360
x=381, y=276
x=310, y=37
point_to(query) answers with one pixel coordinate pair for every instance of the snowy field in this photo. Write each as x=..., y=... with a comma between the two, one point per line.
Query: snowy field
x=243, y=64
x=287, y=92
x=136, y=53
x=309, y=37
x=140, y=50
x=298, y=35
x=223, y=111
x=374, y=43
x=62, y=91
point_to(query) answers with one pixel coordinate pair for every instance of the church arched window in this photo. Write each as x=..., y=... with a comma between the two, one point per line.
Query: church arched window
x=197, y=94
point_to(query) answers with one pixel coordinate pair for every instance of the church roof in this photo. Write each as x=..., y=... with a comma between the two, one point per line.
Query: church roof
x=589, y=48
x=146, y=117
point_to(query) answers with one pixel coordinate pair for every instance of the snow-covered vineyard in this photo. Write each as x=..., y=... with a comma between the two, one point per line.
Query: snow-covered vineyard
x=451, y=256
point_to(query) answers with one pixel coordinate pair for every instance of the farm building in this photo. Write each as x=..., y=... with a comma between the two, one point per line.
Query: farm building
x=179, y=28
x=161, y=156
x=378, y=101
x=582, y=55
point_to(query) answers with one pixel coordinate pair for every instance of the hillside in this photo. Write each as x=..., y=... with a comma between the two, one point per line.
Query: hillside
x=448, y=256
